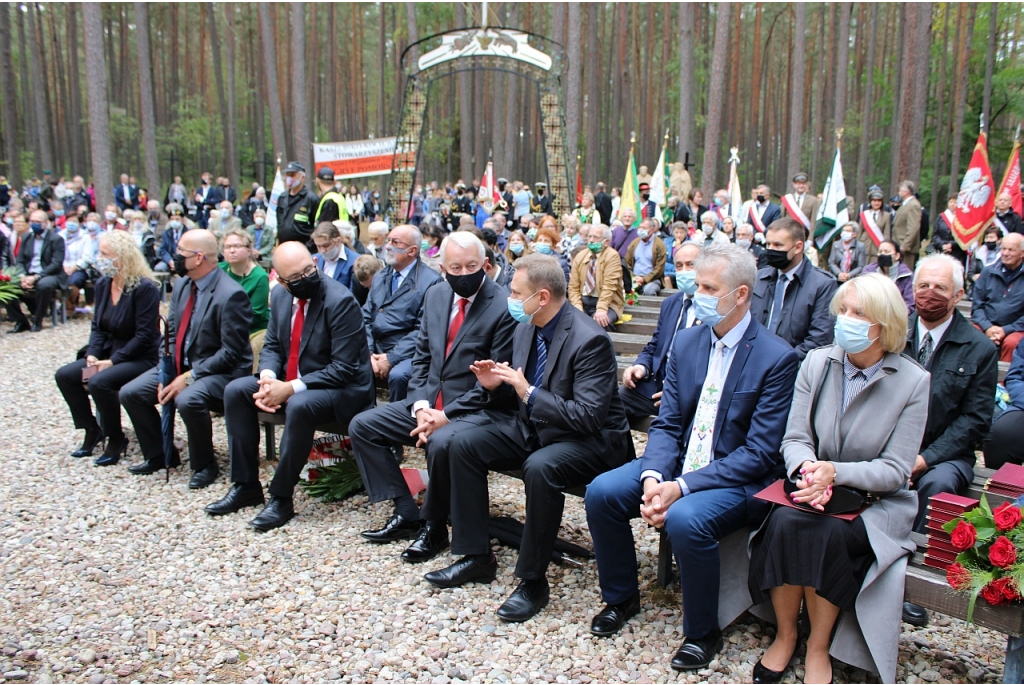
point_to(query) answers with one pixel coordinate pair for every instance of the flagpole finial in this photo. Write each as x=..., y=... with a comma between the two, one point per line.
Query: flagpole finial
x=278, y=161
x=734, y=155
x=666, y=137
x=1016, y=134
x=632, y=137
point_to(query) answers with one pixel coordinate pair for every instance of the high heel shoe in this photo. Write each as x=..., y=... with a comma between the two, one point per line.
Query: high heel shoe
x=763, y=674
x=93, y=437
x=113, y=453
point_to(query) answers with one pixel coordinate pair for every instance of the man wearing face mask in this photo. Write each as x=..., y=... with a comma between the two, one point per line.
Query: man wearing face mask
x=710, y=231
x=394, y=308
x=41, y=257
x=177, y=224
x=595, y=281
x=648, y=208
x=645, y=258
x=792, y=296
x=332, y=205
x=762, y=213
x=463, y=321
x=998, y=298
x=745, y=239
x=642, y=382
x=964, y=369
x=314, y=368
x=568, y=427
x=801, y=204
x=79, y=251
x=223, y=220
x=209, y=319
x=333, y=258
x=296, y=209
x=541, y=202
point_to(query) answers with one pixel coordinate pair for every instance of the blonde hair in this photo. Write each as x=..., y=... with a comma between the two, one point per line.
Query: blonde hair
x=238, y=233
x=133, y=265
x=880, y=301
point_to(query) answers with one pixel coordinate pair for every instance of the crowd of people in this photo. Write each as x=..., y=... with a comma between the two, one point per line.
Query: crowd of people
x=848, y=376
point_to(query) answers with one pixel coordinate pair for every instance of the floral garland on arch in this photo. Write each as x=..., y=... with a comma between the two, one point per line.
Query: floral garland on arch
x=990, y=562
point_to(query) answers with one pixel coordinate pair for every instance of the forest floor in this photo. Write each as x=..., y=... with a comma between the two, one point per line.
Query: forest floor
x=110, y=577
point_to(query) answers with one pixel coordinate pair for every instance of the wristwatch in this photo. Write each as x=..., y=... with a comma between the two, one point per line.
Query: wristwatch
x=189, y=378
x=526, y=395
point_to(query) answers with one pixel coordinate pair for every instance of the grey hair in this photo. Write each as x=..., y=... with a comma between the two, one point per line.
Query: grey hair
x=378, y=228
x=739, y=269
x=543, y=273
x=606, y=231
x=708, y=217
x=908, y=185
x=463, y=239
x=347, y=230
x=938, y=258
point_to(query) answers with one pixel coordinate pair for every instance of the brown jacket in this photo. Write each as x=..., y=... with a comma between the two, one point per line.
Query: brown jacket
x=869, y=244
x=609, y=280
x=906, y=230
x=659, y=254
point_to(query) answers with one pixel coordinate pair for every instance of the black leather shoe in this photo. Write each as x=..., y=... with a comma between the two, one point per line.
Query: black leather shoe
x=21, y=327
x=915, y=615
x=614, y=616
x=278, y=512
x=93, y=437
x=697, y=654
x=204, y=477
x=763, y=674
x=36, y=327
x=153, y=465
x=397, y=528
x=113, y=453
x=525, y=601
x=463, y=571
x=432, y=540
x=240, y=496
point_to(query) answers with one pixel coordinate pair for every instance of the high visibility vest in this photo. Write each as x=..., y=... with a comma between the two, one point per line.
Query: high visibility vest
x=339, y=200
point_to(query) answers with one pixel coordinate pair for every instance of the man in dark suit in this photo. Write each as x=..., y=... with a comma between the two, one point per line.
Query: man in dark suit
x=568, y=428
x=176, y=227
x=464, y=319
x=334, y=258
x=209, y=334
x=206, y=199
x=603, y=202
x=762, y=212
x=126, y=194
x=394, y=308
x=792, y=296
x=226, y=192
x=41, y=256
x=314, y=367
x=642, y=381
x=714, y=444
x=745, y=239
x=964, y=365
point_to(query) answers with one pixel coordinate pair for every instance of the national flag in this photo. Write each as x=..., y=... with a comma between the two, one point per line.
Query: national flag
x=275, y=192
x=579, y=183
x=833, y=213
x=630, y=189
x=488, y=196
x=1011, y=179
x=976, y=201
x=735, y=196
x=659, y=185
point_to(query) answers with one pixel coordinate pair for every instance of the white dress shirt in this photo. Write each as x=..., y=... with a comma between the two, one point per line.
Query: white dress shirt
x=297, y=385
x=425, y=404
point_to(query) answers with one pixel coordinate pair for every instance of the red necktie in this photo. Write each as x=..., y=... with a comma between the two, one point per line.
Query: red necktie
x=293, y=351
x=186, y=318
x=17, y=245
x=453, y=331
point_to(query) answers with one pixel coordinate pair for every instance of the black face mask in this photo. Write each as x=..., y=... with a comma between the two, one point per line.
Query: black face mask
x=646, y=196
x=760, y=198
x=778, y=259
x=179, y=265
x=466, y=285
x=991, y=245
x=885, y=260
x=306, y=287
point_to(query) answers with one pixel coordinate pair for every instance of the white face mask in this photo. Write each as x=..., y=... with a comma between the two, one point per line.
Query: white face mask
x=259, y=220
x=225, y=213
x=110, y=215
x=846, y=236
x=708, y=228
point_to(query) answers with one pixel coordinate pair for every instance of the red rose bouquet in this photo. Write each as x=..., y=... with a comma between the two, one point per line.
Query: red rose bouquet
x=332, y=474
x=990, y=562
x=10, y=284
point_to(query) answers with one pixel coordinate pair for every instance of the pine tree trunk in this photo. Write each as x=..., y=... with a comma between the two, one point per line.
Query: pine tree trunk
x=218, y=74
x=842, y=62
x=44, y=160
x=78, y=154
x=99, y=118
x=175, y=55
x=258, y=94
x=573, y=115
x=867, y=105
x=963, y=74
x=414, y=34
x=941, y=125
x=231, y=141
x=713, y=130
x=903, y=42
x=913, y=109
x=146, y=97
x=269, y=50
x=7, y=93
x=796, y=97
x=687, y=82
x=733, y=109
x=990, y=56
x=754, y=101
x=382, y=57
x=303, y=147
x=591, y=144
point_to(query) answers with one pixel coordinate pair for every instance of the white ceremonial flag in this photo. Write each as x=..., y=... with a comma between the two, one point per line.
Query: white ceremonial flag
x=275, y=192
x=833, y=213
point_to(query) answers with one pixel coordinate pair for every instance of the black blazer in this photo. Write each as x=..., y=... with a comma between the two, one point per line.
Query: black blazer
x=486, y=333
x=135, y=322
x=333, y=354
x=578, y=399
x=806, y=321
x=219, y=342
x=51, y=259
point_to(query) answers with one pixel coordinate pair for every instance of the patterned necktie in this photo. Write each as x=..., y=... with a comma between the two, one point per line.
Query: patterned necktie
x=699, y=449
x=182, y=332
x=292, y=372
x=780, y=294
x=925, y=351
x=592, y=275
x=542, y=360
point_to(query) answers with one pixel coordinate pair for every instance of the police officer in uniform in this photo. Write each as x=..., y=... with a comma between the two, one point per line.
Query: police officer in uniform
x=462, y=204
x=541, y=202
x=332, y=205
x=297, y=209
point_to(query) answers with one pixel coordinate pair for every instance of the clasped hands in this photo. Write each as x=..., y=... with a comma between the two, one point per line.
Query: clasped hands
x=815, y=484
x=657, y=499
x=490, y=375
x=272, y=394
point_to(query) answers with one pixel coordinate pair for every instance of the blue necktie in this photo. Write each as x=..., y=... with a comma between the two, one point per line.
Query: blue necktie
x=780, y=293
x=542, y=359
x=394, y=281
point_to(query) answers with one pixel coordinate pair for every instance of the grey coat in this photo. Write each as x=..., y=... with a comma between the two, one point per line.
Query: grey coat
x=857, y=264
x=873, y=446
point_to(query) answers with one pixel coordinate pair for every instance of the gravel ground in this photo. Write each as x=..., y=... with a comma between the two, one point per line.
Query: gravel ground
x=108, y=577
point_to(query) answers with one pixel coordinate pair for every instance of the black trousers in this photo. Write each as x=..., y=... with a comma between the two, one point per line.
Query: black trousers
x=302, y=414
x=590, y=308
x=103, y=387
x=637, y=401
x=375, y=432
x=951, y=476
x=38, y=300
x=1004, y=444
x=194, y=403
x=547, y=472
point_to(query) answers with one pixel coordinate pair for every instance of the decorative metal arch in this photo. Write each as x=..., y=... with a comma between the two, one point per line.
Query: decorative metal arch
x=529, y=55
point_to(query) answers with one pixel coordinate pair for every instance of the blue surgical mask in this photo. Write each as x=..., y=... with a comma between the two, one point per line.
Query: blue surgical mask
x=718, y=202
x=705, y=308
x=515, y=308
x=532, y=233
x=71, y=227
x=643, y=233
x=516, y=248
x=36, y=227
x=686, y=281
x=852, y=334
x=58, y=212
x=544, y=248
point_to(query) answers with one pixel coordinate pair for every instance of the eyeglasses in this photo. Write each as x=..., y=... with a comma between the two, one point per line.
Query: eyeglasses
x=397, y=243
x=232, y=248
x=190, y=252
x=307, y=272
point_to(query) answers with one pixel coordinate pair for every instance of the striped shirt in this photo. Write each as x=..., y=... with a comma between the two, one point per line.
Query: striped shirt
x=855, y=380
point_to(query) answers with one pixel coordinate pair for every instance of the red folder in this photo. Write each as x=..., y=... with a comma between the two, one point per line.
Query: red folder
x=1010, y=476
x=947, y=501
x=776, y=494
x=936, y=563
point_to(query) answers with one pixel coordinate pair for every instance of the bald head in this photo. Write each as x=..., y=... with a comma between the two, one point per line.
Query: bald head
x=1010, y=252
x=1003, y=202
x=291, y=259
x=200, y=240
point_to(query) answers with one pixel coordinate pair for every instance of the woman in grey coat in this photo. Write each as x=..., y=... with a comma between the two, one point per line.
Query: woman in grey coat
x=857, y=420
x=849, y=256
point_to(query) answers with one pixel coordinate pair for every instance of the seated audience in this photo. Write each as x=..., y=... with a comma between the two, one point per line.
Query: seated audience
x=40, y=256
x=791, y=297
x=568, y=428
x=710, y=232
x=848, y=257
x=394, y=308
x=223, y=219
x=889, y=263
x=144, y=237
x=745, y=239
x=378, y=231
x=79, y=255
x=623, y=232
x=998, y=306
x=263, y=237
x=122, y=346
x=857, y=420
x=1003, y=444
x=516, y=247
x=988, y=253
x=595, y=282
x=209, y=323
x=678, y=235
x=645, y=259
x=314, y=368
x=236, y=246
x=1006, y=220
x=334, y=258
x=177, y=223
x=362, y=276
x=695, y=481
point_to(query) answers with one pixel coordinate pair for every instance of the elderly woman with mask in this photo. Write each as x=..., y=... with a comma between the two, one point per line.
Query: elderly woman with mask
x=710, y=232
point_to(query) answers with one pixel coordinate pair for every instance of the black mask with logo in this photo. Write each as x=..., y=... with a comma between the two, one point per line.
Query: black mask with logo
x=466, y=285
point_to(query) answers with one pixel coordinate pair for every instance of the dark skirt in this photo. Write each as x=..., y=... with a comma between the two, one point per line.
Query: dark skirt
x=812, y=550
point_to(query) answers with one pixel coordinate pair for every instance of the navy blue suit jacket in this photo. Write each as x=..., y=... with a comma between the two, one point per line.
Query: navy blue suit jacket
x=753, y=410
x=772, y=213
x=392, y=319
x=654, y=352
x=342, y=272
x=167, y=245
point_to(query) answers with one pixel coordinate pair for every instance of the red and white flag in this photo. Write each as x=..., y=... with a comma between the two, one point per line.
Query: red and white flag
x=976, y=201
x=1011, y=179
x=867, y=220
x=489, y=196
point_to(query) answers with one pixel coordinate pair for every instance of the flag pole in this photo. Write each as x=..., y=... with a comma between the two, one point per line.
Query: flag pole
x=839, y=138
